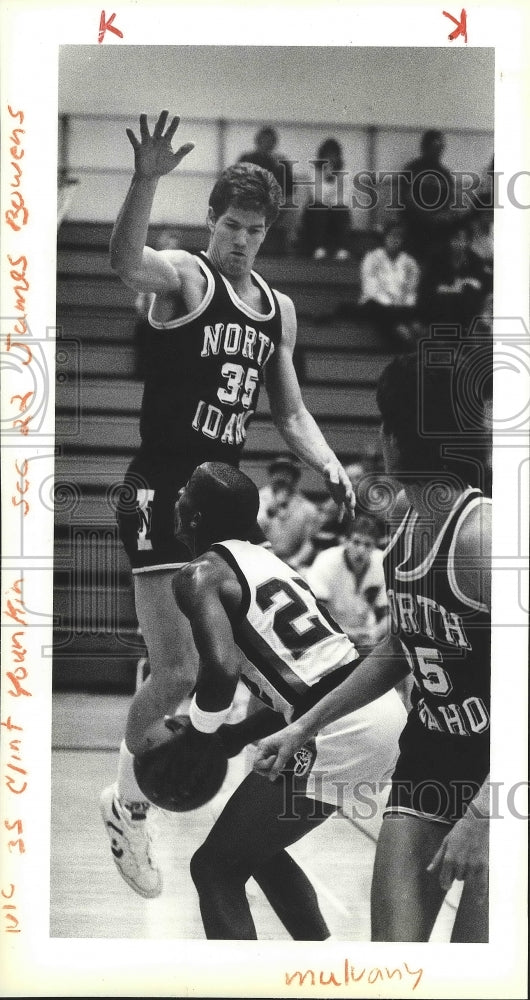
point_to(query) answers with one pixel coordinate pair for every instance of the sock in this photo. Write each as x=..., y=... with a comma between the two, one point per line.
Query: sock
x=129, y=792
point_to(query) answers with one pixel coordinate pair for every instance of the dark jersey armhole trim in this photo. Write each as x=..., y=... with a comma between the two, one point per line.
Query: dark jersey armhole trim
x=243, y=582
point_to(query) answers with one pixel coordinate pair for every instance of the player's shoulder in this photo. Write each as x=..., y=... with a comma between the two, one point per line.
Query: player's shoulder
x=182, y=260
x=474, y=529
x=201, y=574
x=287, y=308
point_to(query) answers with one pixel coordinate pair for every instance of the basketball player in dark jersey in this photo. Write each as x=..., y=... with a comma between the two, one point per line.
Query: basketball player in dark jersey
x=438, y=568
x=240, y=596
x=218, y=333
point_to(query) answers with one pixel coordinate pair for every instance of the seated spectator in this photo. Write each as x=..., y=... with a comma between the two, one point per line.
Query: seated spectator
x=288, y=519
x=429, y=198
x=278, y=238
x=361, y=475
x=349, y=579
x=326, y=222
x=454, y=285
x=389, y=286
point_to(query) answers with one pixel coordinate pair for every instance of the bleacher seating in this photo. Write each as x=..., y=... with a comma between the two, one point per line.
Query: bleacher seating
x=98, y=396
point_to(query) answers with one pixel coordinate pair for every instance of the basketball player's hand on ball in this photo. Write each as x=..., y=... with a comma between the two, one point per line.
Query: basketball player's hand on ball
x=464, y=854
x=340, y=489
x=274, y=752
x=153, y=155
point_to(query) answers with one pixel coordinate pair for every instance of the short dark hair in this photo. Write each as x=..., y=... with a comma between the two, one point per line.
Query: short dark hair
x=414, y=400
x=330, y=148
x=247, y=186
x=430, y=136
x=227, y=499
x=366, y=525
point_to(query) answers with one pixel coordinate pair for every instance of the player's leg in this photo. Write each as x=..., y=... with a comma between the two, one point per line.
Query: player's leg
x=292, y=897
x=147, y=531
x=258, y=822
x=173, y=658
x=405, y=897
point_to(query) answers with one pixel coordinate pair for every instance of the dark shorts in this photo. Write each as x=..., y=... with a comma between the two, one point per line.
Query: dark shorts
x=437, y=775
x=146, y=515
x=146, y=518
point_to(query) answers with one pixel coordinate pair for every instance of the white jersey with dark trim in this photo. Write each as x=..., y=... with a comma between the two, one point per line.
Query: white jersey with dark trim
x=292, y=644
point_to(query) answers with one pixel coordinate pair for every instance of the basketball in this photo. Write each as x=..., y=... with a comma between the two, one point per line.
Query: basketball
x=178, y=768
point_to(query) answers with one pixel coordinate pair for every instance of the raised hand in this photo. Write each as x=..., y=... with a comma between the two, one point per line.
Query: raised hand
x=153, y=155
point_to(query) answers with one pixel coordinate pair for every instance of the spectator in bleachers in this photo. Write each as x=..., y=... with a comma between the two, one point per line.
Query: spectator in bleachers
x=429, y=198
x=278, y=238
x=326, y=223
x=288, y=519
x=389, y=286
x=360, y=472
x=455, y=282
x=349, y=579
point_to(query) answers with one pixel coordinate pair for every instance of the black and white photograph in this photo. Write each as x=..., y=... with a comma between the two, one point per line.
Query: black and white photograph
x=265, y=365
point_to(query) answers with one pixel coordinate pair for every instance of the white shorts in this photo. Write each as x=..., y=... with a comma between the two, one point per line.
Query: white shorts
x=355, y=757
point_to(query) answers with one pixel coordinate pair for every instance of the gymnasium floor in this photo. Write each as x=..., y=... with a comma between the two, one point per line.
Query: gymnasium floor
x=87, y=728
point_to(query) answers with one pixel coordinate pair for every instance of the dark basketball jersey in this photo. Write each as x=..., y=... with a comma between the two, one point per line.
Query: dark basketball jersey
x=445, y=634
x=204, y=374
x=295, y=651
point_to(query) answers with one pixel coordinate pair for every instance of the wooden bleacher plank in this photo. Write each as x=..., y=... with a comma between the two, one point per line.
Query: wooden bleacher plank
x=310, y=300
x=343, y=366
x=98, y=324
x=95, y=263
x=96, y=235
x=109, y=292
x=121, y=433
x=91, y=469
x=93, y=609
x=354, y=335
x=101, y=472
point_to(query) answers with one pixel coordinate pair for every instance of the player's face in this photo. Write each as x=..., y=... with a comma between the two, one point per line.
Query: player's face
x=235, y=239
x=185, y=511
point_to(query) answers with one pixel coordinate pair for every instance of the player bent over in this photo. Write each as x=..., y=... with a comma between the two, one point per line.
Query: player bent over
x=240, y=596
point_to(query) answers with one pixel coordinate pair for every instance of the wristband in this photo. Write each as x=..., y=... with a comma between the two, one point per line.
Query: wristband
x=207, y=722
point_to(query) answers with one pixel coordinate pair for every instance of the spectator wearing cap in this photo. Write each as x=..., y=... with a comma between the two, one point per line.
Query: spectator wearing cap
x=288, y=519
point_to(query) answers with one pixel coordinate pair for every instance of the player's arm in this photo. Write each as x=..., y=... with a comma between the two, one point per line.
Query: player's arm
x=382, y=669
x=141, y=267
x=204, y=590
x=464, y=851
x=292, y=418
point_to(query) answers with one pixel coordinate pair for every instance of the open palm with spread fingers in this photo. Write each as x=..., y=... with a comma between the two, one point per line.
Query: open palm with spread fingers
x=153, y=155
